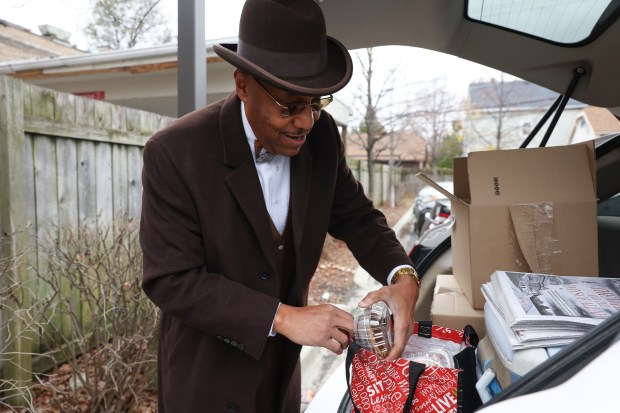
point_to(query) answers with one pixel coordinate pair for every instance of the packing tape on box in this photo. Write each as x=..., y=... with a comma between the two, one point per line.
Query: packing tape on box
x=533, y=225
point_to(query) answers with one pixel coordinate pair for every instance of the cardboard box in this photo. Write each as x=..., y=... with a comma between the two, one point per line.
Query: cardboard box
x=530, y=210
x=450, y=307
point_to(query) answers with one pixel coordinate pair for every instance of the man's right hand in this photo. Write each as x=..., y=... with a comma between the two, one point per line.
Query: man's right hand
x=323, y=325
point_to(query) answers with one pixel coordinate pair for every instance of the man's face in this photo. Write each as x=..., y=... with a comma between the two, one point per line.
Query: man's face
x=282, y=135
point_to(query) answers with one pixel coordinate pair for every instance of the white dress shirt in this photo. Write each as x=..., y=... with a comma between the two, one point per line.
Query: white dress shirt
x=275, y=179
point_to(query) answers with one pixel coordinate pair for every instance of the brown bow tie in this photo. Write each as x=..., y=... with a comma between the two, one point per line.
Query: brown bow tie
x=262, y=154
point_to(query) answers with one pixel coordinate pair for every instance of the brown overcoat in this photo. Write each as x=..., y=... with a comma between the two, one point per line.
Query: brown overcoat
x=209, y=261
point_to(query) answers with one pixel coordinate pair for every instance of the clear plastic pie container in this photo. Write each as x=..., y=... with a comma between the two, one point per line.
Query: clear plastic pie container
x=430, y=357
x=374, y=329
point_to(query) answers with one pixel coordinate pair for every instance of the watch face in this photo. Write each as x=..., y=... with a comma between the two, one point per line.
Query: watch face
x=374, y=328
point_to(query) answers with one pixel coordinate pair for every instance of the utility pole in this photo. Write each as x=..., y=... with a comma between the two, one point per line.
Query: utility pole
x=392, y=148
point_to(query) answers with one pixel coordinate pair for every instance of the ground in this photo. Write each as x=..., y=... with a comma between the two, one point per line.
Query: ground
x=334, y=276
x=332, y=282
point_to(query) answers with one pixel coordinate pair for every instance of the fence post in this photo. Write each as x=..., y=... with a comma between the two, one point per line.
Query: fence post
x=16, y=348
x=378, y=184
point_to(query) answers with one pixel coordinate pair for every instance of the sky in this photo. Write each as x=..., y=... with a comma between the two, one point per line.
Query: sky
x=221, y=18
x=417, y=68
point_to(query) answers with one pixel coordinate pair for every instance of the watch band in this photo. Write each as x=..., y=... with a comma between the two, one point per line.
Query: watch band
x=406, y=271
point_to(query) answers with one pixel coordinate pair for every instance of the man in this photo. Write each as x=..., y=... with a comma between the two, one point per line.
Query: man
x=231, y=242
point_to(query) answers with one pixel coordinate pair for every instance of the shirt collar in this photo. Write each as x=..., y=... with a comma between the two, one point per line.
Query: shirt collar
x=249, y=133
x=251, y=137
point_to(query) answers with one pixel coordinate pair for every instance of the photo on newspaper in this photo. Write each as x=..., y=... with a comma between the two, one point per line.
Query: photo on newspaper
x=544, y=306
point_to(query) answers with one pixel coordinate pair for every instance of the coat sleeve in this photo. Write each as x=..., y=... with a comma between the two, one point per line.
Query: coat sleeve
x=355, y=220
x=176, y=276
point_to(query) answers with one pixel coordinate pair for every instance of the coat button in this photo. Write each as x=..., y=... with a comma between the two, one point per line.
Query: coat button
x=280, y=247
x=264, y=275
x=241, y=346
x=232, y=408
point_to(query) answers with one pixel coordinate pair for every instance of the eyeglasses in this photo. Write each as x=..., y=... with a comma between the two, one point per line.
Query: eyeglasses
x=293, y=109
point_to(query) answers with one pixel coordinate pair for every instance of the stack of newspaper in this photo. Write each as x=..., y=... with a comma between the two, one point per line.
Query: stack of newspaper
x=537, y=310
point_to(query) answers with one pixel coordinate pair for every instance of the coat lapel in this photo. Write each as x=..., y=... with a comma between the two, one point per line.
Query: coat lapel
x=301, y=172
x=243, y=180
x=245, y=186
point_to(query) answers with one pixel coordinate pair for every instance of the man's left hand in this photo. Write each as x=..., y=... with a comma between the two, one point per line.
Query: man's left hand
x=401, y=298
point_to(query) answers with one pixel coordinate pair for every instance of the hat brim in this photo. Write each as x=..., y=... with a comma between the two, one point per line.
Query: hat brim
x=335, y=77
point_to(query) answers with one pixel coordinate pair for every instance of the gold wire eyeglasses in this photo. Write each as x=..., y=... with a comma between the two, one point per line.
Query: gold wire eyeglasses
x=292, y=109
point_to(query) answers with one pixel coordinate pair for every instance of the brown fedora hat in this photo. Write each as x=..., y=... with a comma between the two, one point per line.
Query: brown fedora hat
x=284, y=43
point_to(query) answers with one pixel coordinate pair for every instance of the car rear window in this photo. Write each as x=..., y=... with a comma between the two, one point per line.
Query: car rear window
x=571, y=22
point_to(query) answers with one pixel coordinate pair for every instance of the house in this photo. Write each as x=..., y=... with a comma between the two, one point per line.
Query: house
x=500, y=115
x=19, y=43
x=143, y=78
x=409, y=149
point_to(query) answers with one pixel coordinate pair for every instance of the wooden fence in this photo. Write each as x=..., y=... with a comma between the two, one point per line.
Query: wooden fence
x=402, y=181
x=65, y=162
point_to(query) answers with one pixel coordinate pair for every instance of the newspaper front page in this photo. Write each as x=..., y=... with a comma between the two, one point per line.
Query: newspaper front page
x=549, y=308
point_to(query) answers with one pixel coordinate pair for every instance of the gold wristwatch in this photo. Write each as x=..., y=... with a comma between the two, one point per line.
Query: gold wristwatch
x=406, y=271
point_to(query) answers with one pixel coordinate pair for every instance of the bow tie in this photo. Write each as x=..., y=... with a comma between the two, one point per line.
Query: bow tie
x=262, y=154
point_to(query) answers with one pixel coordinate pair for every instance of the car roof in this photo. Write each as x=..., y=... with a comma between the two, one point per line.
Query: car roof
x=441, y=25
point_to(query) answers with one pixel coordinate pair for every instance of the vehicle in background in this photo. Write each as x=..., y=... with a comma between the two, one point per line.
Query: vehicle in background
x=424, y=202
x=430, y=240
x=440, y=211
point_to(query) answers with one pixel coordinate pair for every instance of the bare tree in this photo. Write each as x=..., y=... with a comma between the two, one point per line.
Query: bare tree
x=488, y=113
x=375, y=133
x=123, y=24
x=435, y=108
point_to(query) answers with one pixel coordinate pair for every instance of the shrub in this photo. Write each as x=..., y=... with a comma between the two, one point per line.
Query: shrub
x=97, y=329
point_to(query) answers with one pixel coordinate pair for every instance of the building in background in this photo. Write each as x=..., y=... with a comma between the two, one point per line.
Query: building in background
x=143, y=78
x=19, y=43
x=409, y=149
x=500, y=115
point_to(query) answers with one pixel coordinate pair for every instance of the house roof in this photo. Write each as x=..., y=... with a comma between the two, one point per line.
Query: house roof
x=514, y=94
x=133, y=60
x=141, y=78
x=19, y=43
x=410, y=147
x=602, y=120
